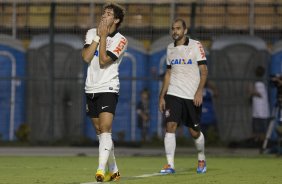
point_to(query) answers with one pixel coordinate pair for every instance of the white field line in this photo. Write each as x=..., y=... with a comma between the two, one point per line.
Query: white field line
x=148, y=175
x=140, y=176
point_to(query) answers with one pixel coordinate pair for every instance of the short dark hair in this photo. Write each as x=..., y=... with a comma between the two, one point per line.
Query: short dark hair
x=182, y=21
x=118, y=10
x=259, y=71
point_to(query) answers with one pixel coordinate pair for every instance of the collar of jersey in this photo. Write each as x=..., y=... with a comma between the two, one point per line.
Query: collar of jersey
x=113, y=33
x=185, y=43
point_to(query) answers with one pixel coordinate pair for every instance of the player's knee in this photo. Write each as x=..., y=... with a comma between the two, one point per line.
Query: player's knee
x=195, y=134
x=171, y=127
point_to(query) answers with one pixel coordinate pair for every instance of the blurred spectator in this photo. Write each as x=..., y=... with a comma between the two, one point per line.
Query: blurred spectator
x=277, y=81
x=208, y=118
x=260, y=106
x=143, y=114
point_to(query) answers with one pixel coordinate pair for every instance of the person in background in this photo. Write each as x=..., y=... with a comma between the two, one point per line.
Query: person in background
x=260, y=106
x=277, y=81
x=208, y=118
x=143, y=114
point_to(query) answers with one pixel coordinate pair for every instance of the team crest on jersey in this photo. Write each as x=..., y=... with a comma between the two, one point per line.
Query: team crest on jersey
x=167, y=113
x=181, y=62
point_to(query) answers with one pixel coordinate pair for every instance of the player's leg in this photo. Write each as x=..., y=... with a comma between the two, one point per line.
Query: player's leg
x=111, y=173
x=106, y=143
x=170, y=146
x=93, y=113
x=107, y=105
x=193, y=117
x=172, y=116
x=199, y=141
x=113, y=169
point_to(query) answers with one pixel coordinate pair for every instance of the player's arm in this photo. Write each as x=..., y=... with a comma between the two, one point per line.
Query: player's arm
x=105, y=57
x=164, y=88
x=90, y=46
x=198, y=98
x=88, y=51
x=252, y=91
x=278, y=80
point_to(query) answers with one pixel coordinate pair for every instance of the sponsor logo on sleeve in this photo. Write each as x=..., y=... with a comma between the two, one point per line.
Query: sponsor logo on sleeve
x=120, y=46
x=202, y=51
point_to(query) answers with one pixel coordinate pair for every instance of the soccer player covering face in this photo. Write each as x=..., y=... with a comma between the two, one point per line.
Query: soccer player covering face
x=181, y=95
x=103, y=51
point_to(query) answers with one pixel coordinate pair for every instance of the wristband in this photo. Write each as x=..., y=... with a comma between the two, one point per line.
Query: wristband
x=97, y=39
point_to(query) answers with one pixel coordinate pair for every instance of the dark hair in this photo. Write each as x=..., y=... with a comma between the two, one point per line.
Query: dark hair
x=119, y=12
x=259, y=71
x=182, y=21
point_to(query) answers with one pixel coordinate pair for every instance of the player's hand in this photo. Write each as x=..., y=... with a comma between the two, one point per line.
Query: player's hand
x=162, y=104
x=198, y=98
x=103, y=29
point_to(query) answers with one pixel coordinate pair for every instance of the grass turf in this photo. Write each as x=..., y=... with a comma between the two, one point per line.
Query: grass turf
x=74, y=170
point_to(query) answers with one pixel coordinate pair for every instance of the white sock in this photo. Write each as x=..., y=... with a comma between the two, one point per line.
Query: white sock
x=112, y=161
x=200, y=146
x=170, y=145
x=98, y=136
x=105, y=148
x=112, y=165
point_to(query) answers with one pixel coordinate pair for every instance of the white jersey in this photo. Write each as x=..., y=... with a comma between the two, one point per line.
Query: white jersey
x=185, y=73
x=260, y=104
x=105, y=79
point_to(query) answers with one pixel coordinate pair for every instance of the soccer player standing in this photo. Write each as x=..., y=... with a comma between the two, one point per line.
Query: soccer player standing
x=103, y=52
x=181, y=95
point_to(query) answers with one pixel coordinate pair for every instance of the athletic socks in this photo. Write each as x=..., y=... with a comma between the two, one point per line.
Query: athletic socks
x=112, y=165
x=170, y=145
x=105, y=148
x=112, y=161
x=200, y=146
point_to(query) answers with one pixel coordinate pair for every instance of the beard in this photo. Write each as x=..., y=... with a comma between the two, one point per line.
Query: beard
x=177, y=37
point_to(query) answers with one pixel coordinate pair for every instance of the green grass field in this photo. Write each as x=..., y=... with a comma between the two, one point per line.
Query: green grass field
x=74, y=170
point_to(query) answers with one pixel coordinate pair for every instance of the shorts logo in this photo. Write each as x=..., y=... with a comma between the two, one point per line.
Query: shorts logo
x=87, y=109
x=167, y=113
x=103, y=107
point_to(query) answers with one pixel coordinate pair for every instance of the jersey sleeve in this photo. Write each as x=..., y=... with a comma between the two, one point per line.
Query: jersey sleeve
x=117, y=48
x=200, y=52
x=90, y=35
x=167, y=58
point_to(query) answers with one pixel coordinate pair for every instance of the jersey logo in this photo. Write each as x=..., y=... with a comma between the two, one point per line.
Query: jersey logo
x=120, y=46
x=96, y=53
x=180, y=61
x=167, y=113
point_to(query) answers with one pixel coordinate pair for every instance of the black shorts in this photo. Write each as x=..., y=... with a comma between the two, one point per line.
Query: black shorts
x=97, y=103
x=259, y=125
x=182, y=111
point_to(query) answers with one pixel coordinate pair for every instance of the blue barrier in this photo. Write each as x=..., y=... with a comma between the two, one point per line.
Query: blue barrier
x=12, y=95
